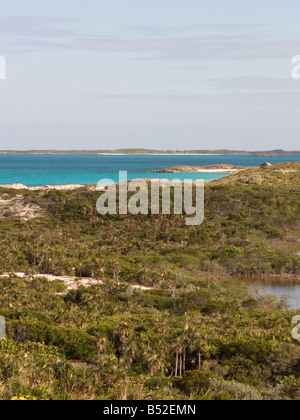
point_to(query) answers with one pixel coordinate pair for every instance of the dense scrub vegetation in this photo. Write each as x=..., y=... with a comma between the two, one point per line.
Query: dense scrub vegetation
x=207, y=339
x=196, y=334
x=251, y=226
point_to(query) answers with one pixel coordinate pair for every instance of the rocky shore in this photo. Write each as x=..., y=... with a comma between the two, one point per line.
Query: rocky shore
x=68, y=187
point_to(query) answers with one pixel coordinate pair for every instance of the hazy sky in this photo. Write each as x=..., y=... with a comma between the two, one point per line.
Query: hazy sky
x=167, y=74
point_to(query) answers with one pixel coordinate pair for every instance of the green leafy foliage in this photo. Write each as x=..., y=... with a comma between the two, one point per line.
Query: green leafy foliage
x=193, y=332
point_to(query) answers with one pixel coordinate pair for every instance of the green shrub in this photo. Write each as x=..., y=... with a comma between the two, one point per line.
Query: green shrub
x=193, y=382
x=236, y=390
x=74, y=343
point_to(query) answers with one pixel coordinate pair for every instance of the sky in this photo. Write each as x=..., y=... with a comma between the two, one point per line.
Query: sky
x=157, y=74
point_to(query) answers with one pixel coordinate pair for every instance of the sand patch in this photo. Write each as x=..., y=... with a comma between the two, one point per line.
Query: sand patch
x=71, y=283
x=17, y=207
x=68, y=187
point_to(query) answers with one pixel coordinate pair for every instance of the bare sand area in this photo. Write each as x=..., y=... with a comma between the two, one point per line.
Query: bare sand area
x=68, y=187
x=71, y=282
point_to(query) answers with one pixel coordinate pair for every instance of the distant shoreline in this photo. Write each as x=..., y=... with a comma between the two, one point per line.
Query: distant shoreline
x=146, y=152
x=159, y=154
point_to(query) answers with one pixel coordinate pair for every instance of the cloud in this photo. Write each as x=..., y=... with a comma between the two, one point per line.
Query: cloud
x=214, y=47
x=164, y=30
x=262, y=99
x=222, y=47
x=216, y=41
x=35, y=26
x=256, y=83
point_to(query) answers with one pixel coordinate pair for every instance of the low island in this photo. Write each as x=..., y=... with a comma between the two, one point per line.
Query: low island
x=224, y=169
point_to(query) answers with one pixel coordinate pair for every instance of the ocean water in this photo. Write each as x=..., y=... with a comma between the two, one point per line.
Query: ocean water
x=41, y=170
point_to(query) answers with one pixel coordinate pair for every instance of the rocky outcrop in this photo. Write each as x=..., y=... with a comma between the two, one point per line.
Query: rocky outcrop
x=220, y=168
x=69, y=187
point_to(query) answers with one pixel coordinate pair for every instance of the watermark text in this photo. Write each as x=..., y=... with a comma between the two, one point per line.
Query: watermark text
x=2, y=67
x=296, y=68
x=2, y=328
x=152, y=197
x=296, y=329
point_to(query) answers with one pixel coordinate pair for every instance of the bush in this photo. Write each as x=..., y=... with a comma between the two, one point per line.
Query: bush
x=237, y=390
x=74, y=343
x=193, y=382
x=252, y=349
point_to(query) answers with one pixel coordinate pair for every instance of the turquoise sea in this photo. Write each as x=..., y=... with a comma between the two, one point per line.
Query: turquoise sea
x=41, y=170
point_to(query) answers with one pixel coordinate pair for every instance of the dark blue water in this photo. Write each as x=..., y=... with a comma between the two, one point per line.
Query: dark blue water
x=40, y=170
